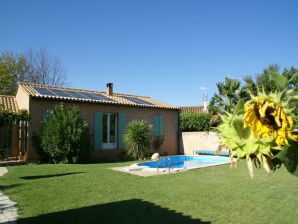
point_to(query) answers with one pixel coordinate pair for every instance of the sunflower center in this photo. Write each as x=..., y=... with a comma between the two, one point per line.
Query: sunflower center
x=268, y=119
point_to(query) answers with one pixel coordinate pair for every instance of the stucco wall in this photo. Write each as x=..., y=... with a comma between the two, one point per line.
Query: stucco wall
x=190, y=141
x=169, y=145
x=22, y=98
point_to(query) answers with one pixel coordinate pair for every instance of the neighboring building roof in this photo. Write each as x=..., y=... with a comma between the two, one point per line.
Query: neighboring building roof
x=72, y=94
x=193, y=109
x=8, y=103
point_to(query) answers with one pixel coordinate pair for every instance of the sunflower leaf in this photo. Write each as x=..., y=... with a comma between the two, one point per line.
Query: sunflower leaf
x=289, y=157
x=293, y=99
x=239, y=108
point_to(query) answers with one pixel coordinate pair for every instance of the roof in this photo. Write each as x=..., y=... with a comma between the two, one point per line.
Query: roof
x=8, y=103
x=193, y=109
x=96, y=96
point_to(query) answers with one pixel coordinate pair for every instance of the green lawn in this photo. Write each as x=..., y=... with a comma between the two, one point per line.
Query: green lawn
x=96, y=194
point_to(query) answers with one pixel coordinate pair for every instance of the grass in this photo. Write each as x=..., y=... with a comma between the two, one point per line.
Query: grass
x=96, y=194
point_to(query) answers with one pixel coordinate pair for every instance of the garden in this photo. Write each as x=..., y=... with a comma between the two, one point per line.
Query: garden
x=255, y=121
x=93, y=193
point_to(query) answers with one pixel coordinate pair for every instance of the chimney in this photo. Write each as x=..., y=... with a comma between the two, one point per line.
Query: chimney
x=109, y=89
x=205, y=107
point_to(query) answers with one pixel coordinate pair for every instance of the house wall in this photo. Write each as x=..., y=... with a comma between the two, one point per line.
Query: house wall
x=170, y=146
x=190, y=141
x=22, y=98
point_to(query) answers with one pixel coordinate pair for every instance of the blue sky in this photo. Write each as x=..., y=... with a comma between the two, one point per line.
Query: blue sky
x=166, y=49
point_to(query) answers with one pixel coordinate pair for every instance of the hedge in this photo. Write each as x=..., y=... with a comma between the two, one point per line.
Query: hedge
x=194, y=122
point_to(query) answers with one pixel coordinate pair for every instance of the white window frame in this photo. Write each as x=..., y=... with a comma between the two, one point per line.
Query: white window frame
x=109, y=145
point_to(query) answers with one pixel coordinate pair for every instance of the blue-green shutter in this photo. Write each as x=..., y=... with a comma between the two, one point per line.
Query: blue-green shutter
x=97, y=133
x=158, y=125
x=121, y=130
x=161, y=125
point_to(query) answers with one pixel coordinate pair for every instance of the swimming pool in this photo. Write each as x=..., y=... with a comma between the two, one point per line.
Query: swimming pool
x=184, y=162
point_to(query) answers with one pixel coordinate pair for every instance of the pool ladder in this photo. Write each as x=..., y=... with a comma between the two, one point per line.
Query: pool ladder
x=169, y=165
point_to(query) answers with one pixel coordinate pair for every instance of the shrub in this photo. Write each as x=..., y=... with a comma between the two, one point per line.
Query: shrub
x=63, y=135
x=215, y=120
x=194, y=122
x=137, y=139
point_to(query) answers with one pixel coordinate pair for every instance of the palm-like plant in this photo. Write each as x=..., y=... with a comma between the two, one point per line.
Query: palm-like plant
x=229, y=93
x=137, y=139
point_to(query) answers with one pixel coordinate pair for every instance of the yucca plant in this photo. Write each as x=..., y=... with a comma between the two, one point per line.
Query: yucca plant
x=137, y=139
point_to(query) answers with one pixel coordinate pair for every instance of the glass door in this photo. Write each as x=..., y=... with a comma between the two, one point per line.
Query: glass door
x=109, y=131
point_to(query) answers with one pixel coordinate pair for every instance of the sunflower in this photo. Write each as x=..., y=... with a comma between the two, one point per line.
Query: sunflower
x=267, y=119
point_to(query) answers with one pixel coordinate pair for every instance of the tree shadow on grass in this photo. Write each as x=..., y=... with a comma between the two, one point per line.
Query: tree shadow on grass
x=48, y=176
x=130, y=211
x=4, y=187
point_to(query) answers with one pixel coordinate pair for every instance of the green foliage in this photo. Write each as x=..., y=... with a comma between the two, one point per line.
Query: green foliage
x=8, y=118
x=235, y=136
x=63, y=135
x=215, y=120
x=194, y=121
x=289, y=157
x=32, y=67
x=137, y=139
x=12, y=71
x=270, y=80
x=229, y=93
x=263, y=80
x=263, y=150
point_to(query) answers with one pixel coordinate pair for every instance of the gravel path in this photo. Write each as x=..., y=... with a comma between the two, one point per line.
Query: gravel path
x=8, y=211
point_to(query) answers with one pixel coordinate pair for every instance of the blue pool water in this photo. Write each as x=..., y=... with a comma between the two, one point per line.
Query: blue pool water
x=185, y=161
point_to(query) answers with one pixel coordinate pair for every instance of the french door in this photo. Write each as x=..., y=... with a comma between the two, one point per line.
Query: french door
x=109, y=131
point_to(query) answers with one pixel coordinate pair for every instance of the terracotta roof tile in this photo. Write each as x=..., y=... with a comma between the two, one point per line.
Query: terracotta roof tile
x=116, y=98
x=193, y=109
x=8, y=103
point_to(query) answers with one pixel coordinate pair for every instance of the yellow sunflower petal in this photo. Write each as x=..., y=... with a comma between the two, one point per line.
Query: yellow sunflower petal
x=263, y=108
x=293, y=137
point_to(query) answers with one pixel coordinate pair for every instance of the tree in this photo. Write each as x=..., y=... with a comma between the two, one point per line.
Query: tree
x=37, y=68
x=267, y=79
x=41, y=68
x=63, y=135
x=229, y=93
x=270, y=80
x=12, y=70
x=262, y=80
x=292, y=75
x=137, y=139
